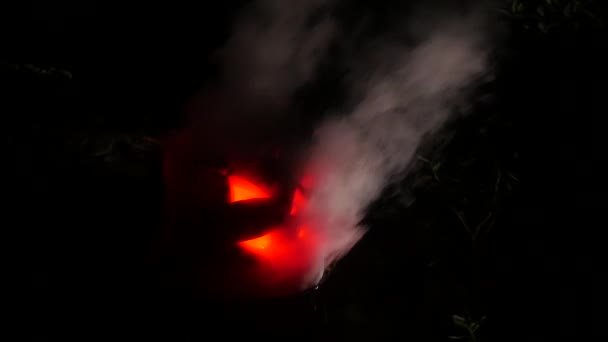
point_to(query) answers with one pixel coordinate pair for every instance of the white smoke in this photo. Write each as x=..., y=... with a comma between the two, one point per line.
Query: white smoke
x=400, y=94
x=405, y=95
x=276, y=46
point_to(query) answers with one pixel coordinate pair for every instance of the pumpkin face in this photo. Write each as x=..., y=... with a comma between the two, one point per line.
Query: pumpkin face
x=237, y=230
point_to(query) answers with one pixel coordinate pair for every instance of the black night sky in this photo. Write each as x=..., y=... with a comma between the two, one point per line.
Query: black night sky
x=494, y=234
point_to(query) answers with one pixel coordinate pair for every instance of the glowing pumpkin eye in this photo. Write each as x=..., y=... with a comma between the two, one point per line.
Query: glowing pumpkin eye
x=258, y=244
x=298, y=202
x=242, y=190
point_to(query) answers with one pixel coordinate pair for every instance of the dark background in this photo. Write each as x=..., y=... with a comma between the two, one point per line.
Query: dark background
x=88, y=91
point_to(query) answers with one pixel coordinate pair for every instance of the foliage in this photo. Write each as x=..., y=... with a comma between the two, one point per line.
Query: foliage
x=470, y=325
x=37, y=70
x=549, y=16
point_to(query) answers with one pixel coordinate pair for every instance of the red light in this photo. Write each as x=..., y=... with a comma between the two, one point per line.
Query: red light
x=263, y=242
x=278, y=241
x=275, y=243
x=286, y=255
x=283, y=250
x=268, y=246
x=242, y=189
x=306, y=182
x=297, y=202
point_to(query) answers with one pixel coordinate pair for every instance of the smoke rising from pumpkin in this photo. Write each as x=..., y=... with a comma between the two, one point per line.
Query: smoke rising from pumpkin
x=275, y=47
x=395, y=106
x=400, y=93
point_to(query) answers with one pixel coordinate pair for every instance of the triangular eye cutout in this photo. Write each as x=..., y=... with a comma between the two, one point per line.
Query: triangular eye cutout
x=259, y=244
x=242, y=189
x=298, y=202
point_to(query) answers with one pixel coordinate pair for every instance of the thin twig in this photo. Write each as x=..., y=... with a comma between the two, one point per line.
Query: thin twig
x=462, y=219
x=481, y=224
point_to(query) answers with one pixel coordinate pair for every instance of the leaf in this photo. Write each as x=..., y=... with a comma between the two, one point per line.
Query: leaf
x=457, y=318
x=512, y=176
x=504, y=11
x=541, y=11
x=423, y=159
x=460, y=321
x=514, y=6
x=65, y=74
x=589, y=14
x=568, y=10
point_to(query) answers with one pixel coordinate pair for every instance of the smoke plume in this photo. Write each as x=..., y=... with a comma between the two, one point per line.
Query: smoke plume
x=276, y=46
x=398, y=100
x=403, y=86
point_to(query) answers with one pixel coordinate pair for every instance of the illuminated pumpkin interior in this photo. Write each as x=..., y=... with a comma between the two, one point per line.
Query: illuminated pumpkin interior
x=297, y=202
x=280, y=242
x=242, y=189
x=262, y=244
x=285, y=248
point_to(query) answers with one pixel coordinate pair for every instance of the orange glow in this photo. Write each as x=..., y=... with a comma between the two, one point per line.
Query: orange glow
x=285, y=259
x=271, y=246
x=281, y=246
x=242, y=189
x=278, y=241
x=259, y=243
x=271, y=243
x=297, y=202
x=286, y=255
